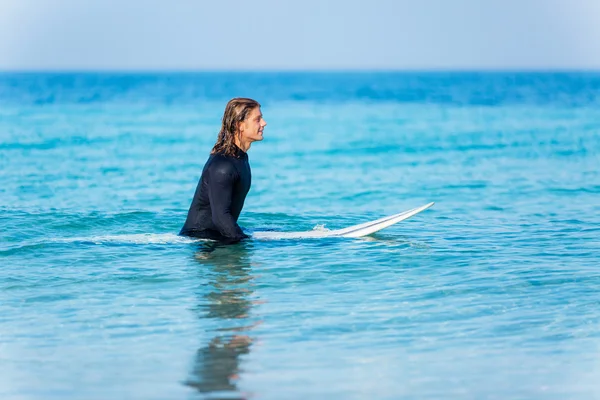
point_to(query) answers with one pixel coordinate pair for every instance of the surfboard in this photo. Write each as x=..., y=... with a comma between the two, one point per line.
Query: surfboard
x=364, y=229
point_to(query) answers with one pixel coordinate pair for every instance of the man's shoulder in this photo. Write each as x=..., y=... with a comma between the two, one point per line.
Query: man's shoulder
x=221, y=165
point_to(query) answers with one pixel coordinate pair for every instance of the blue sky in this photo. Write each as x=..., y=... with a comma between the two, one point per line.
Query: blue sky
x=307, y=34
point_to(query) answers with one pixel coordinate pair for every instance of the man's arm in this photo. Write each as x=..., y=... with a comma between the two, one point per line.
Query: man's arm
x=222, y=179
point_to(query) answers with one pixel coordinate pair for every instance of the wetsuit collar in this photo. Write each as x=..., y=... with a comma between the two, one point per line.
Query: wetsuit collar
x=239, y=153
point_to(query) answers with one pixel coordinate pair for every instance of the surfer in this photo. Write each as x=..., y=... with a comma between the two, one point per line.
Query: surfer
x=226, y=177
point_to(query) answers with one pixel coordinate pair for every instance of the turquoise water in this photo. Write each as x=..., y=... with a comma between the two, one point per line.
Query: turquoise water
x=493, y=293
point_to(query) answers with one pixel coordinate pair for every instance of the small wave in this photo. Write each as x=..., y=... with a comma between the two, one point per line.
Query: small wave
x=320, y=228
x=140, y=238
x=115, y=240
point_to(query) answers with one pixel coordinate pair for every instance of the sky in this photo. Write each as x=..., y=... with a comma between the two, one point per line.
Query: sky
x=299, y=34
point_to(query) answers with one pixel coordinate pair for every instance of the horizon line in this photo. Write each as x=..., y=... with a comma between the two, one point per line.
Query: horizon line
x=290, y=70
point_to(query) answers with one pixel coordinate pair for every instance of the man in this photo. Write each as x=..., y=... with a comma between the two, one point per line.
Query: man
x=226, y=177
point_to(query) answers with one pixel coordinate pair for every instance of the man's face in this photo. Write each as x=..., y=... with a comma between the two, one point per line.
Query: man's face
x=251, y=129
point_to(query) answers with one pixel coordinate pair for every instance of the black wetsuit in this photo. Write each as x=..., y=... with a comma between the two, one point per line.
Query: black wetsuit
x=219, y=199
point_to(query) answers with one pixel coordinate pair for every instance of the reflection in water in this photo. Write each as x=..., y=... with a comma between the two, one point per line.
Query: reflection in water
x=394, y=241
x=226, y=310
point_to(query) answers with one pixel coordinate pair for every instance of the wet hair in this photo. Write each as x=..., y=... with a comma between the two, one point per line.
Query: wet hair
x=236, y=111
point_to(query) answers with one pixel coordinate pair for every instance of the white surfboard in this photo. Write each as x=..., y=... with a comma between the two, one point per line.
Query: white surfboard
x=354, y=231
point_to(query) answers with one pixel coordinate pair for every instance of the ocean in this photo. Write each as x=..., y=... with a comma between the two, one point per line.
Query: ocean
x=493, y=293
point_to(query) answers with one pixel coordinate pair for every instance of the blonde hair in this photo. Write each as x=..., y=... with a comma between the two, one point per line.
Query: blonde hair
x=236, y=111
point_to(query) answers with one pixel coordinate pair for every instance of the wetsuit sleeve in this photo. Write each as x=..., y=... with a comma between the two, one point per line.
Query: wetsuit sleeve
x=222, y=179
